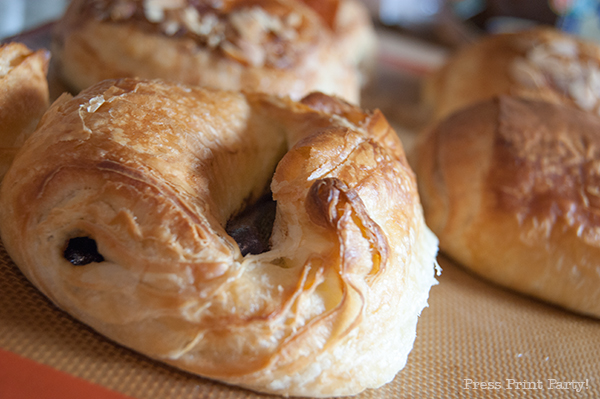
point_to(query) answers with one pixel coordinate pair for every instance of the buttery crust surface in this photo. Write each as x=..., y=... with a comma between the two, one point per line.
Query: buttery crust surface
x=139, y=178
x=510, y=186
x=23, y=97
x=540, y=64
x=282, y=47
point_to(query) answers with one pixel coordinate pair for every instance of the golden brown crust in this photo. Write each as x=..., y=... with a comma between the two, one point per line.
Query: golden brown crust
x=23, y=97
x=275, y=46
x=353, y=31
x=151, y=172
x=542, y=64
x=510, y=187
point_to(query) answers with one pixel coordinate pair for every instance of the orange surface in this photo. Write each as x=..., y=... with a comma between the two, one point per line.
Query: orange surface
x=21, y=378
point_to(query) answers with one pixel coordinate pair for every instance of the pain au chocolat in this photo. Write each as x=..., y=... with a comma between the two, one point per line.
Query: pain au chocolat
x=281, y=47
x=119, y=207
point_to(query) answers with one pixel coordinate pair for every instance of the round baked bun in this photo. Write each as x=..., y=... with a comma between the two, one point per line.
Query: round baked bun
x=511, y=188
x=540, y=64
x=281, y=47
x=119, y=207
x=23, y=97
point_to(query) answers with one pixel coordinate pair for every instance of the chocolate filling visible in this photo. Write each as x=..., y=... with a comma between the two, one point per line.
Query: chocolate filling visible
x=251, y=229
x=81, y=251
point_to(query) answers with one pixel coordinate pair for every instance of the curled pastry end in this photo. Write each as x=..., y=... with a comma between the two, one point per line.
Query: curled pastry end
x=325, y=204
x=322, y=200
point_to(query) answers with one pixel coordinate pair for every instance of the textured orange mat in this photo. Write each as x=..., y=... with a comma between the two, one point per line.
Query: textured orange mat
x=22, y=378
x=472, y=332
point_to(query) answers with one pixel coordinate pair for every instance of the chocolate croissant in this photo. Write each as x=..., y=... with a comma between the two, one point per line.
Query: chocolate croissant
x=124, y=208
x=282, y=47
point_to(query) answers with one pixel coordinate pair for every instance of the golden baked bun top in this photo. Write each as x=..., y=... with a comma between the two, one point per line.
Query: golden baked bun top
x=541, y=63
x=510, y=186
x=546, y=167
x=559, y=64
x=254, y=32
x=542, y=163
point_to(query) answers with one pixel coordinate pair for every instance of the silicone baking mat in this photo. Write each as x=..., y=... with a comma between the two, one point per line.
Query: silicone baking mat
x=471, y=333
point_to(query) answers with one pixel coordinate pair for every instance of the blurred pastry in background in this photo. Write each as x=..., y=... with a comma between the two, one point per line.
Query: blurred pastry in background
x=282, y=47
x=511, y=187
x=541, y=63
x=352, y=26
x=23, y=97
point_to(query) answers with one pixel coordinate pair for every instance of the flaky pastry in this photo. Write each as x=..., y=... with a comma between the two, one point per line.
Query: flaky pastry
x=511, y=188
x=23, y=97
x=539, y=64
x=282, y=47
x=118, y=206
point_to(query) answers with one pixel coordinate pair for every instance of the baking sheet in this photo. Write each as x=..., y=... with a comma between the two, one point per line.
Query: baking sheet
x=472, y=332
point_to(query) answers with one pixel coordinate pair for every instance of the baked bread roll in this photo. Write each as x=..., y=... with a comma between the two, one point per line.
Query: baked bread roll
x=540, y=64
x=117, y=208
x=23, y=97
x=510, y=187
x=281, y=47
